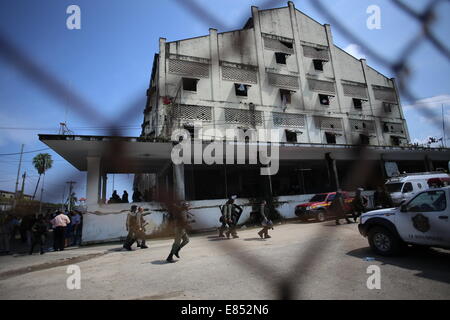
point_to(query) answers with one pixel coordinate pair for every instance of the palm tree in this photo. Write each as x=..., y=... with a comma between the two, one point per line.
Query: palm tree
x=42, y=162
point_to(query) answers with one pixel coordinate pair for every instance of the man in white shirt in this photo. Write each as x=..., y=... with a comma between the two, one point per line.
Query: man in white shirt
x=59, y=223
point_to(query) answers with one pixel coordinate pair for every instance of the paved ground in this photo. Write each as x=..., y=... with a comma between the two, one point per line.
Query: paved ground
x=332, y=266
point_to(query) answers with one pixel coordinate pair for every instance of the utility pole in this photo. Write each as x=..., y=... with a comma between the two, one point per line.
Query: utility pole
x=17, y=179
x=23, y=184
x=443, y=128
x=42, y=191
x=69, y=205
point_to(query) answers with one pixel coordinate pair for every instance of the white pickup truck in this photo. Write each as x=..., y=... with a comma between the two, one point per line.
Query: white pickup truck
x=424, y=221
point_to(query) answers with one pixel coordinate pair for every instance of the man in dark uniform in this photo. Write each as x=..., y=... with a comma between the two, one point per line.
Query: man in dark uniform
x=337, y=208
x=135, y=227
x=231, y=213
x=179, y=218
x=223, y=218
x=265, y=222
x=359, y=204
x=39, y=231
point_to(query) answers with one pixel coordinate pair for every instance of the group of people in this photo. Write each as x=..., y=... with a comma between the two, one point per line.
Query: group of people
x=358, y=205
x=66, y=230
x=179, y=218
x=136, y=197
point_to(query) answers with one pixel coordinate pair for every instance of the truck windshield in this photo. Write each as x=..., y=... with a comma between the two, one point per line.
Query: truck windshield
x=318, y=198
x=394, y=187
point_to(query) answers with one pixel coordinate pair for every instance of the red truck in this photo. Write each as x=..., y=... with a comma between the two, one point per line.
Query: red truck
x=317, y=207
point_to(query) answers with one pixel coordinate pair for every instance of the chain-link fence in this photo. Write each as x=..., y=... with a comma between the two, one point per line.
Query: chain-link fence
x=400, y=67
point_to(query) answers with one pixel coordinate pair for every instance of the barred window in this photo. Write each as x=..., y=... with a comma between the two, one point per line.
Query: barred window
x=362, y=125
x=282, y=80
x=189, y=68
x=238, y=74
x=384, y=94
x=355, y=90
x=288, y=120
x=192, y=112
x=247, y=117
x=321, y=86
x=329, y=123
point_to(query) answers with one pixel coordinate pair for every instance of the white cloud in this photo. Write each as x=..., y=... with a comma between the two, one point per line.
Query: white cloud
x=432, y=103
x=355, y=51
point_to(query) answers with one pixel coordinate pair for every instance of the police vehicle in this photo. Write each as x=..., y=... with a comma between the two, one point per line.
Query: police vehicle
x=424, y=221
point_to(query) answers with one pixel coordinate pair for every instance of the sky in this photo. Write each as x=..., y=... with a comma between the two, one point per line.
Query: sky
x=108, y=62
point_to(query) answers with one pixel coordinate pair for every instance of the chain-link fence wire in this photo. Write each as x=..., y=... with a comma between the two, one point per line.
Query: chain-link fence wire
x=287, y=287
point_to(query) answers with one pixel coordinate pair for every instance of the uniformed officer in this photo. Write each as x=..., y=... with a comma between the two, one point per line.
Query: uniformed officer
x=265, y=222
x=135, y=227
x=338, y=209
x=179, y=218
x=359, y=204
x=225, y=216
x=232, y=215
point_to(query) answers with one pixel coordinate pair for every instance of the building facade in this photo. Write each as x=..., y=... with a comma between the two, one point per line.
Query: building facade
x=281, y=70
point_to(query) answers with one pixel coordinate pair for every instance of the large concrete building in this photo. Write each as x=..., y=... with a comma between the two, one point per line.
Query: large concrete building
x=281, y=70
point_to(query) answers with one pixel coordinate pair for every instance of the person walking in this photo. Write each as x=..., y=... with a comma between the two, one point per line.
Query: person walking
x=179, y=218
x=59, y=223
x=39, y=232
x=224, y=217
x=265, y=222
x=76, y=228
x=382, y=198
x=135, y=226
x=6, y=231
x=125, y=196
x=337, y=208
x=359, y=204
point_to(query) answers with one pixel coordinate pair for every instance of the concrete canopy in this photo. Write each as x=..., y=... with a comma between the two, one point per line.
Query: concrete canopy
x=117, y=154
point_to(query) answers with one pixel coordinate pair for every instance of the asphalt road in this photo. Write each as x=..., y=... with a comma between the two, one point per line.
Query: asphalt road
x=312, y=260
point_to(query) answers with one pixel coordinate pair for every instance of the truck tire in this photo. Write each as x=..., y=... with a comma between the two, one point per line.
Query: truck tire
x=320, y=215
x=384, y=242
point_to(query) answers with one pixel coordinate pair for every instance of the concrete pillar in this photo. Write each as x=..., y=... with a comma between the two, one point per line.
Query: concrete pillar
x=375, y=112
x=332, y=169
x=93, y=180
x=162, y=84
x=400, y=109
x=215, y=66
x=259, y=52
x=178, y=181
x=298, y=52
x=104, y=187
x=428, y=164
x=339, y=89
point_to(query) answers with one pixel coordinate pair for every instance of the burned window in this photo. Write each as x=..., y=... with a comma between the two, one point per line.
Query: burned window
x=291, y=136
x=364, y=139
x=190, y=129
x=387, y=107
x=190, y=84
x=318, y=64
x=395, y=141
x=331, y=137
x=287, y=44
x=285, y=96
x=241, y=89
x=281, y=57
x=324, y=99
x=357, y=103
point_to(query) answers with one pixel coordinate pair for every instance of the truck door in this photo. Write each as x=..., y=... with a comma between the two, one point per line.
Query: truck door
x=408, y=191
x=425, y=219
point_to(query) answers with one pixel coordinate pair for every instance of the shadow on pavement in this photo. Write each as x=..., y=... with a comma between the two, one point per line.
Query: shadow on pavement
x=430, y=263
x=254, y=239
x=159, y=262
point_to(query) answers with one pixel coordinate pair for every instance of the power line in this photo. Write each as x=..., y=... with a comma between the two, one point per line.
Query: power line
x=16, y=153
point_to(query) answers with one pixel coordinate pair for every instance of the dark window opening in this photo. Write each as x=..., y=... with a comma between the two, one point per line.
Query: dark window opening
x=395, y=141
x=318, y=64
x=387, y=107
x=289, y=45
x=190, y=129
x=190, y=84
x=364, y=139
x=364, y=125
x=357, y=103
x=285, y=96
x=280, y=57
x=331, y=137
x=241, y=89
x=385, y=128
x=324, y=99
x=291, y=136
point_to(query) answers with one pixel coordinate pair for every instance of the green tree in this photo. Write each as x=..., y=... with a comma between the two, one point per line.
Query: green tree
x=42, y=162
